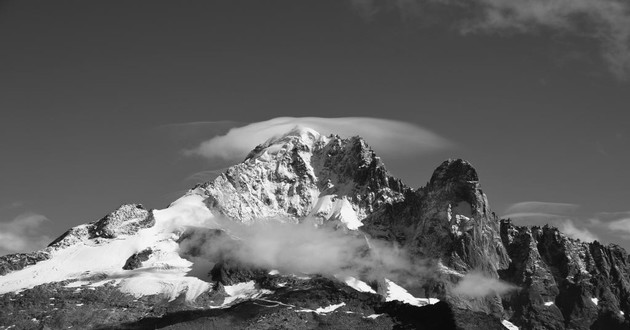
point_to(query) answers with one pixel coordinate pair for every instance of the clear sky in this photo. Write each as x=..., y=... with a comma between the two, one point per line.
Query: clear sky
x=535, y=96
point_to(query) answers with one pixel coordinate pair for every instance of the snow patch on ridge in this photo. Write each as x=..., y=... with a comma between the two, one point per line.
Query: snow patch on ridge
x=323, y=310
x=164, y=272
x=396, y=292
x=241, y=291
x=358, y=285
x=509, y=325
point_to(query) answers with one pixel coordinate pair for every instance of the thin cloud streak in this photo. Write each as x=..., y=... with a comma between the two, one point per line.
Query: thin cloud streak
x=605, y=21
x=478, y=285
x=389, y=138
x=531, y=208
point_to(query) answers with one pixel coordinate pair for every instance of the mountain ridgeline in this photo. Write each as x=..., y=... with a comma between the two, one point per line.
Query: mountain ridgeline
x=190, y=265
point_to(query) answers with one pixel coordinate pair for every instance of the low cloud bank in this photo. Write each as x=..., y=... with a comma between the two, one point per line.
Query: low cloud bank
x=304, y=248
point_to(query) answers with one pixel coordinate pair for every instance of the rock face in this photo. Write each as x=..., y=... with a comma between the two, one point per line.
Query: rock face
x=18, y=261
x=165, y=277
x=127, y=220
x=305, y=175
x=565, y=283
x=449, y=219
x=135, y=261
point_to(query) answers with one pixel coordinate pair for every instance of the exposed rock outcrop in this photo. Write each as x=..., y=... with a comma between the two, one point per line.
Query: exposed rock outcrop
x=565, y=283
x=13, y=262
x=135, y=260
x=285, y=178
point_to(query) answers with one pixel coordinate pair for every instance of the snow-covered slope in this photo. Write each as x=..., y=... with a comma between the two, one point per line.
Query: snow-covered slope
x=297, y=177
x=96, y=261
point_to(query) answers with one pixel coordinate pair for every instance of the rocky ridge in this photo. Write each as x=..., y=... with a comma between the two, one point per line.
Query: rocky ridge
x=340, y=183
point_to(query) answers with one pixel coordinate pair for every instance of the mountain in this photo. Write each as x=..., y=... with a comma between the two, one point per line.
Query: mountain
x=312, y=231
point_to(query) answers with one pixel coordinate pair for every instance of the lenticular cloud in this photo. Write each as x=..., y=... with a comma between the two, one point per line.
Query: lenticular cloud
x=384, y=135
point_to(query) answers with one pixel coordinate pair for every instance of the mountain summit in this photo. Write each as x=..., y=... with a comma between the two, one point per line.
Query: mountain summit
x=312, y=231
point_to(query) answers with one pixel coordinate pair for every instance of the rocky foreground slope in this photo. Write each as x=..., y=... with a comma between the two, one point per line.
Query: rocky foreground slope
x=313, y=232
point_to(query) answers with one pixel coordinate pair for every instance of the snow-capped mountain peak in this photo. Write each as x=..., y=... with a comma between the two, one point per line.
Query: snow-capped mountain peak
x=138, y=265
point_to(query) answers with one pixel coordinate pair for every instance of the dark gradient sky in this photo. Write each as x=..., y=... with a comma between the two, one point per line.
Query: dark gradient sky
x=86, y=88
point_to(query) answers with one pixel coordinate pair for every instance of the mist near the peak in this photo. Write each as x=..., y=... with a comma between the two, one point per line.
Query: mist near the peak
x=306, y=249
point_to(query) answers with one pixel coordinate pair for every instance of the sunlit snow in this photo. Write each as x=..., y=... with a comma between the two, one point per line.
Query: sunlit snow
x=396, y=292
x=323, y=310
x=509, y=325
x=358, y=285
x=164, y=272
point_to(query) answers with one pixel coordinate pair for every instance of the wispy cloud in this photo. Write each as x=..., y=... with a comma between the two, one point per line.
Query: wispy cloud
x=478, y=285
x=12, y=205
x=568, y=227
x=620, y=225
x=567, y=217
x=305, y=248
x=616, y=224
x=564, y=216
x=23, y=234
x=536, y=209
x=605, y=21
x=387, y=137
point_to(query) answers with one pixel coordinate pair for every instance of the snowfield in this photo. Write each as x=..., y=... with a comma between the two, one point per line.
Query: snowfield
x=87, y=262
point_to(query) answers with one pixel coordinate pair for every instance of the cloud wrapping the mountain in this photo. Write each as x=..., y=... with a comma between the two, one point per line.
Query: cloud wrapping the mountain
x=304, y=248
x=606, y=21
x=23, y=234
x=387, y=137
